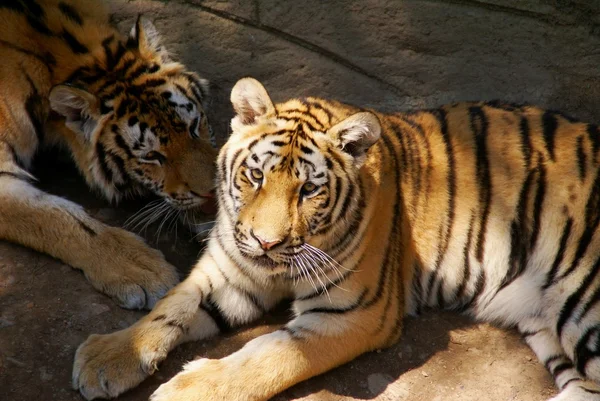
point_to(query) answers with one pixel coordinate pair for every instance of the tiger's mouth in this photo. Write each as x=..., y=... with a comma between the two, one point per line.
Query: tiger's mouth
x=205, y=203
x=262, y=260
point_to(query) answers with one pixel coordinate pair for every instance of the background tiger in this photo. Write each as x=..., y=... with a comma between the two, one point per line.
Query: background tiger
x=487, y=208
x=132, y=119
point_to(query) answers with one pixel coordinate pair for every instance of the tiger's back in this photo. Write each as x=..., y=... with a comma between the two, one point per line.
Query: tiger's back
x=504, y=200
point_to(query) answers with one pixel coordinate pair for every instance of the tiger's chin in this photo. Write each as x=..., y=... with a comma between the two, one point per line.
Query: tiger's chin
x=265, y=263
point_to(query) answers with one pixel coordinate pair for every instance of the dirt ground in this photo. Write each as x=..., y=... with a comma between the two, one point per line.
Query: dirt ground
x=386, y=54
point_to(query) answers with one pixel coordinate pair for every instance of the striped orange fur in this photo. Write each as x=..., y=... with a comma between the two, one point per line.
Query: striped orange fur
x=362, y=218
x=131, y=117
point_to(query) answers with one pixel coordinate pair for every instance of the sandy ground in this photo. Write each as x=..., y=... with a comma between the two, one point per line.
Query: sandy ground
x=386, y=54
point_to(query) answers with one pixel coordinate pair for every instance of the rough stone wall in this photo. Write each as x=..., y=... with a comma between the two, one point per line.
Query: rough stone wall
x=392, y=54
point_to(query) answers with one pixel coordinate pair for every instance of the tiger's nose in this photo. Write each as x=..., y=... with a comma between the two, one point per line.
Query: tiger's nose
x=266, y=244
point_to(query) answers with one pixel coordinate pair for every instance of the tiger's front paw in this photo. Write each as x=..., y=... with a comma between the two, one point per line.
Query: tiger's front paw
x=135, y=275
x=107, y=365
x=201, y=380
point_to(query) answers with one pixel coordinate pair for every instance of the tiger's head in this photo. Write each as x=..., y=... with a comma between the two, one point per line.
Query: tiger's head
x=137, y=123
x=289, y=178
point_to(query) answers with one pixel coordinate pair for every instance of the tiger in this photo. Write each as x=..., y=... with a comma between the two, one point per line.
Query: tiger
x=133, y=121
x=361, y=218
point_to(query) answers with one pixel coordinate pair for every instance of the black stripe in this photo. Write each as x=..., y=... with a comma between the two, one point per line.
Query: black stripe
x=193, y=127
x=592, y=220
x=120, y=163
x=101, y=155
x=519, y=245
x=122, y=144
x=593, y=132
x=141, y=69
x=354, y=220
x=70, y=12
x=254, y=299
x=212, y=309
x=526, y=145
x=581, y=158
x=84, y=225
x=76, y=46
x=592, y=301
x=159, y=318
x=526, y=334
x=551, y=359
x=460, y=291
x=123, y=107
x=354, y=305
x=575, y=297
x=417, y=287
x=394, y=235
x=444, y=238
x=294, y=332
x=122, y=71
x=583, y=354
x=177, y=325
x=571, y=380
x=14, y=5
x=306, y=149
x=306, y=161
x=550, y=277
x=154, y=82
x=350, y=196
x=47, y=59
x=197, y=87
x=538, y=204
x=549, y=124
x=479, y=126
x=110, y=59
x=37, y=23
x=558, y=369
x=478, y=291
x=14, y=175
x=35, y=109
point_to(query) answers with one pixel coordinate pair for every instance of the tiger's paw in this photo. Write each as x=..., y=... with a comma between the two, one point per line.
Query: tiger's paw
x=201, y=380
x=579, y=391
x=108, y=365
x=133, y=274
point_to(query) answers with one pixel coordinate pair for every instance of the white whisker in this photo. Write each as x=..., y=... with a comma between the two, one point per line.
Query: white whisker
x=317, y=276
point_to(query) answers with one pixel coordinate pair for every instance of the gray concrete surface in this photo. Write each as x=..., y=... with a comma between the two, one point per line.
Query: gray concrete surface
x=385, y=54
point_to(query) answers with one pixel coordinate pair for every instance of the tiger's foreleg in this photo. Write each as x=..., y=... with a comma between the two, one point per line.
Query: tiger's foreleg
x=573, y=385
x=210, y=300
x=311, y=344
x=115, y=261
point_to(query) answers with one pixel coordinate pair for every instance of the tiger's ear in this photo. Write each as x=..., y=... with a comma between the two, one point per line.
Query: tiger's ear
x=79, y=107
x=146, y=38
x=250, y=100
x=356, y=134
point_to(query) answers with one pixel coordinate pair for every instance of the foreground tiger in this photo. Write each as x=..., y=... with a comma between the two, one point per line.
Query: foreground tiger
x=362, y=218
x=132, y=119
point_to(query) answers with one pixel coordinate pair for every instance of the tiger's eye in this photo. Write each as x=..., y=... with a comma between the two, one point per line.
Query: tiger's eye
x=256, y=174
x=153, y=155
x=308, y=188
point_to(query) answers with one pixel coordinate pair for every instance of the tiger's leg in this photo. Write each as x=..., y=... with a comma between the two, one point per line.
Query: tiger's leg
x=311, y=344
x=572, y=384
x=115, y=261
x=210, y=300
